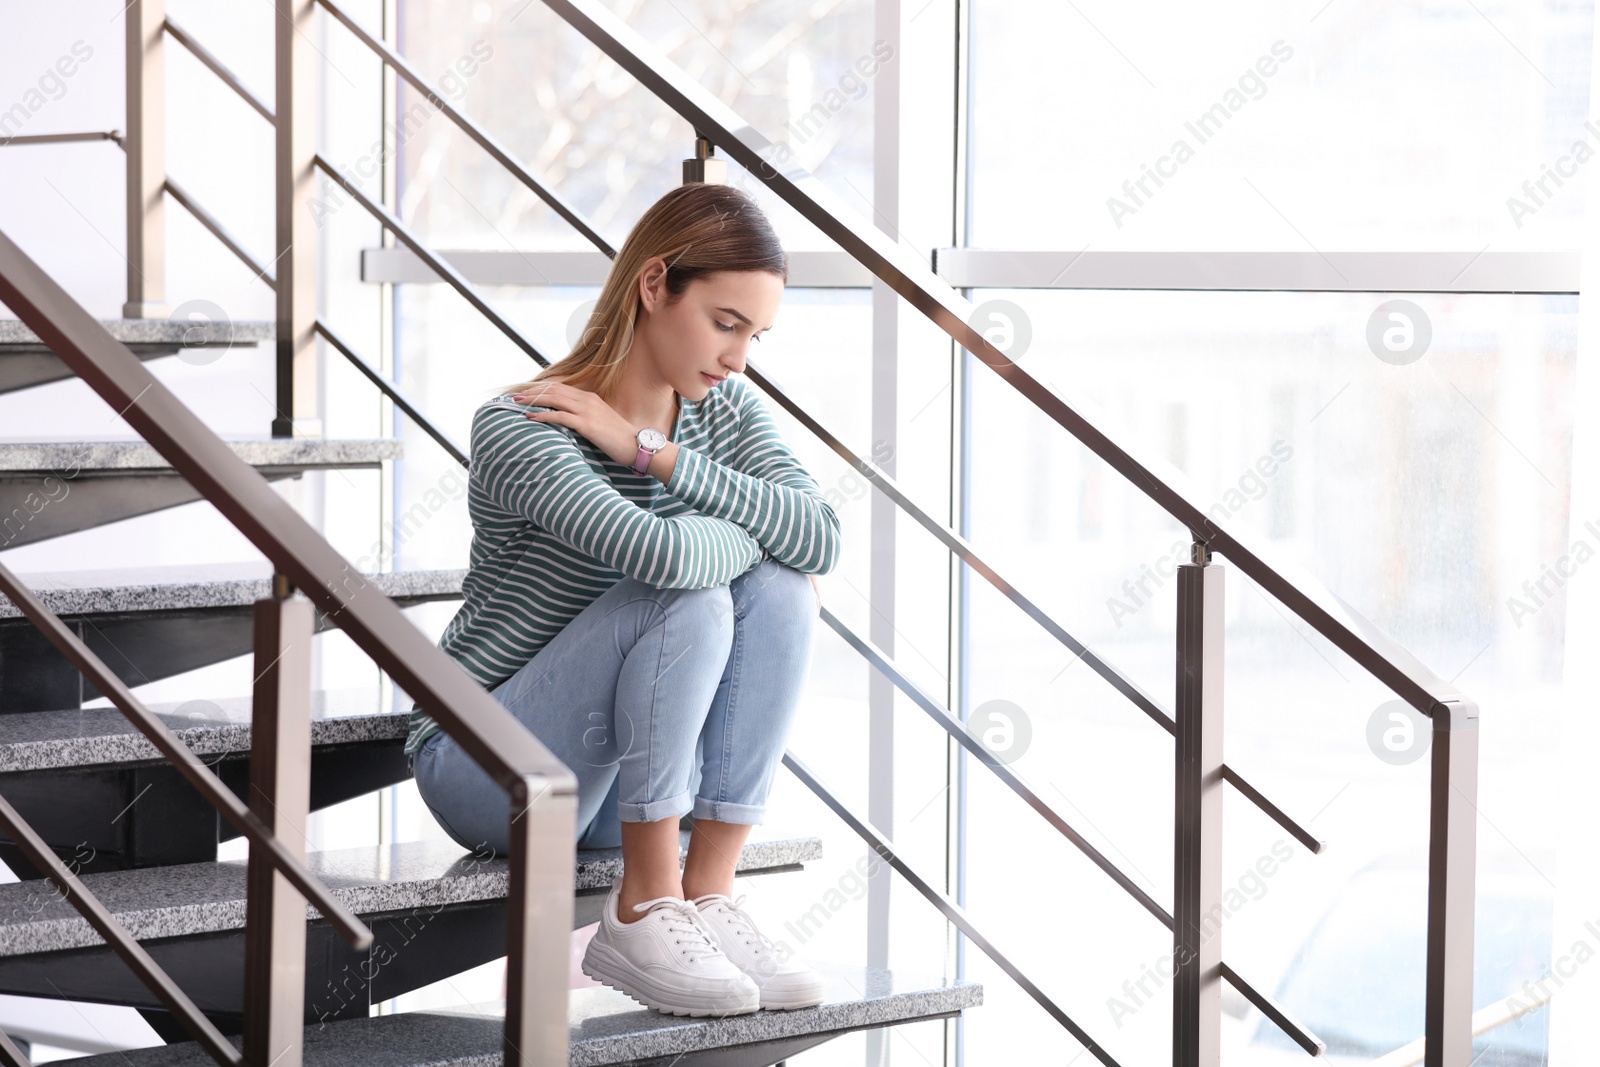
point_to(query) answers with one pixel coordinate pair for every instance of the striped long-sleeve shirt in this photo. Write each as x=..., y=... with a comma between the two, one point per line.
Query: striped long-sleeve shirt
x=556, y=522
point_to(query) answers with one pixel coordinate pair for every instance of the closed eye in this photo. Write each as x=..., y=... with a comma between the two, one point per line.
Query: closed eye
x=728, y=327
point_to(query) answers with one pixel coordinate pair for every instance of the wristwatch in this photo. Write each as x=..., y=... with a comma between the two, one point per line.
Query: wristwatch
x=650, y=442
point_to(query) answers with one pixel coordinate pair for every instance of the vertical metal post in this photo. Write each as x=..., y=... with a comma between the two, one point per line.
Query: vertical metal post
x=146, y=159
x=886, y=420
x=280, y=794
x=1197, y=821
x=544, y=834
x=705, y=166
x=298, y=400
x=1452, y=868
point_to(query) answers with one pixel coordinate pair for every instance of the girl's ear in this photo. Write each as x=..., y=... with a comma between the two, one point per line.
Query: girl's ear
x=652, y=282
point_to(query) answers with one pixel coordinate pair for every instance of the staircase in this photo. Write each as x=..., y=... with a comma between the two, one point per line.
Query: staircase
x=145, y=843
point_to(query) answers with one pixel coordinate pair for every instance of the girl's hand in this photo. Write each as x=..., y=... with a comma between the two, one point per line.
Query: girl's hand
x=818, y=588
x=586, y=413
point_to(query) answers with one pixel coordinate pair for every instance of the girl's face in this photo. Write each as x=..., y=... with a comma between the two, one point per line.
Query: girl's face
x=709, y=329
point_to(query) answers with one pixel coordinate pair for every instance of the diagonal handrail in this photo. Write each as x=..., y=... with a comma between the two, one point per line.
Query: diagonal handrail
x=217, y=67
x=393, y=392
x=886, y=666
x=61, y=138
x=457, y=280
x=220, y=232
x=953, y=911
x=488, y=143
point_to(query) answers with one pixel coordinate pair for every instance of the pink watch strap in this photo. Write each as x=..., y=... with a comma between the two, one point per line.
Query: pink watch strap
x=642, y=460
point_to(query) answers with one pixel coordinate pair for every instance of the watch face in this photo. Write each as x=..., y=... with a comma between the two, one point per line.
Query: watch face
x=652, y=439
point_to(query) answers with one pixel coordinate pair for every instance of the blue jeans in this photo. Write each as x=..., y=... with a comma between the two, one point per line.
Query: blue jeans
x=660, y=701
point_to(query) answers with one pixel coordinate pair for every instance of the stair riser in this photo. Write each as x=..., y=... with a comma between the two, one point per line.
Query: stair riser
x=22, y=367
x=140, y=646
x=120, y=817
x=35, y=508
x=410, y=950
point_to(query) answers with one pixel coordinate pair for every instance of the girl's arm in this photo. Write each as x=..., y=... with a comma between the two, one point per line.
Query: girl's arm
x=764, y=489
x=535, y=470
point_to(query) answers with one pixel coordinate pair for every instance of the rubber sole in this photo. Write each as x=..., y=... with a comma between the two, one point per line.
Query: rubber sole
x=652, y=1000
x=810, y=1002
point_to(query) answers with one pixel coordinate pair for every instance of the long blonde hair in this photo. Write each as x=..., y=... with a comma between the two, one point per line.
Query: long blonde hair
x=697, y=228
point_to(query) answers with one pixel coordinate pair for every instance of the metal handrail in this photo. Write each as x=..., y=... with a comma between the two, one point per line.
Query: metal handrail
x=392, y=391
x=217, y=67
x=439, y=266
x=220, y=232
x=542, y=789
x=886, y=666
x=61, y=138
x=952, y=911
x=389, y=389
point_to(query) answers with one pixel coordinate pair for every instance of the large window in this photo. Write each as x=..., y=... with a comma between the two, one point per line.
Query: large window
x=1339, y=125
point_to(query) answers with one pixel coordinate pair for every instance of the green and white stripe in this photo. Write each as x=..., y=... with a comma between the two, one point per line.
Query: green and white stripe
x=556, y=522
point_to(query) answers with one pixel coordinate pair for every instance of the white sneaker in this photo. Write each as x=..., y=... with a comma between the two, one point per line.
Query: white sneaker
x=783, y=983
x=669, y=960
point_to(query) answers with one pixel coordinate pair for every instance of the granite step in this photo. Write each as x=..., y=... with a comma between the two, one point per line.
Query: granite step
x=54, y=488
x=435, y=910
x=149, y=623
x=27, y=361
x=608, y=1029
x=101, y=794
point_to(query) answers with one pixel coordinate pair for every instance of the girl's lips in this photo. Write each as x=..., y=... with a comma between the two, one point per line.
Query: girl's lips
x=709, y=378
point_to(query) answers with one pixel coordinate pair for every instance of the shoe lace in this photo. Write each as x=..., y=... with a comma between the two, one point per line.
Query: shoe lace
x=684, y=918
x=739, y=918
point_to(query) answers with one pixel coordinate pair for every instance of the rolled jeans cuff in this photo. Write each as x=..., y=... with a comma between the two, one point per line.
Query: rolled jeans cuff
x=654, y=810
x=724, y=811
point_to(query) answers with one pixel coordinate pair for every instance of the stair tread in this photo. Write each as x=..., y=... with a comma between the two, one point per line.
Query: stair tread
x=606, y=1026
x=142, y=331
x=175, y=586
x=120, y=452
x=85, y=737
x=197, y=898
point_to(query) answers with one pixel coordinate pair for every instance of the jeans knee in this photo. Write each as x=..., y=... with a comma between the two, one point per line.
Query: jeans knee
x=778, y=589
x=713, y=604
